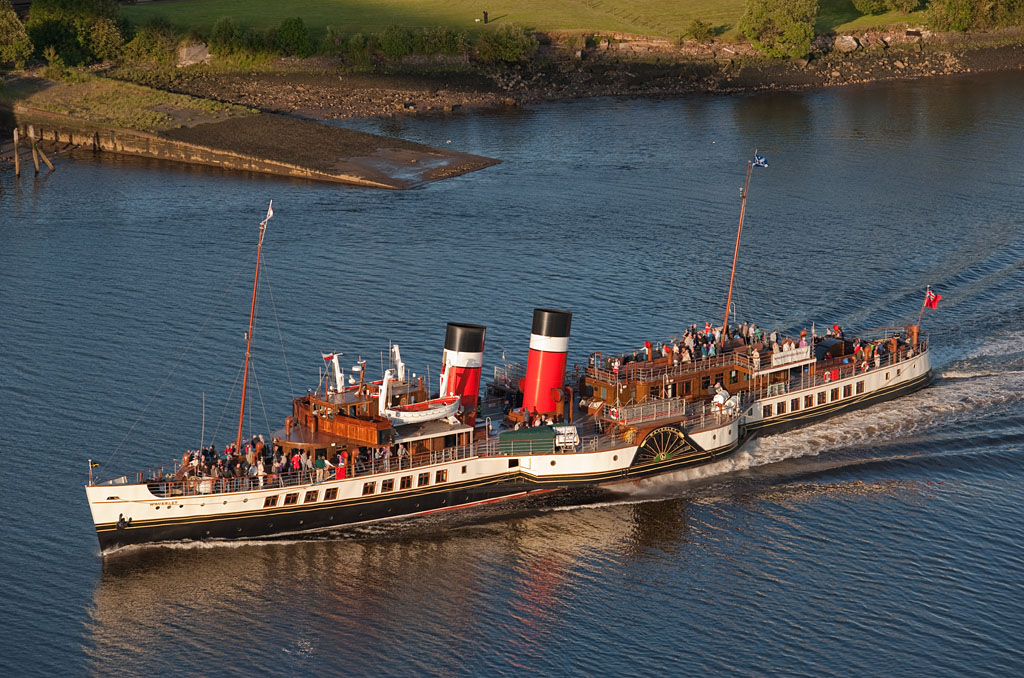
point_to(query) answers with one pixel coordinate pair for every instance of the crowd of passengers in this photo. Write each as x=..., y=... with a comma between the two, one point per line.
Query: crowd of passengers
x=699, y=344
x=257, y=466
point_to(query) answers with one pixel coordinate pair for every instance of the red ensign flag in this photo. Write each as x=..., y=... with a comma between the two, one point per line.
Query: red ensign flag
x=931, y=299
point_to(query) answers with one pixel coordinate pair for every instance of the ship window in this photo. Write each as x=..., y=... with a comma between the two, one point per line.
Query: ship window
x=719, y=377
x=705, y=382
x=860, y=387
x=834, y=396
x=463, y=468
x=766, y=411
x=821, y=398
x=387, y=485
x=887, y=376
x=847, y=391
x=899, y=371
x=423, y=479
x=512, y=463
x=405, y=483
x=320, y=453
x=292, y=498
x=604, y=393
x=368, y=488
x=311, y=496
x=808, y=401
x=441, y=477
x=687, y=388
x=331, y=494
x=270, y=501
x=780, y=407
x=734, y=377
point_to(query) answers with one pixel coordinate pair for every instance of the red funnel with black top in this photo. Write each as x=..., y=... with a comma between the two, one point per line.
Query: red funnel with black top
x=463, y=358
x=545, y=368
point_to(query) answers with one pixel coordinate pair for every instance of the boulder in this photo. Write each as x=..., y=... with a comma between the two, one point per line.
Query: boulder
x=196, y=53
x=847, y=44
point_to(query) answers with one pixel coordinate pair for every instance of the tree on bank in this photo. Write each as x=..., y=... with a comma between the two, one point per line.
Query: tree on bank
x=15, y=47
x=79, y=31
x=780, y=28
x=964, y=15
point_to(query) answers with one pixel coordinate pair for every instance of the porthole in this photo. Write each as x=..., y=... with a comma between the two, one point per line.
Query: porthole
x=615, y=458
x=245, y=500
x=225, y=502
x=714, y=437
x=301, y=522
x=157, y=508
x=443, y=502
x=270, y=524
x=181, y=506
x=238, y=529
x=203, y=504
x=552, y=462
x=207, y=533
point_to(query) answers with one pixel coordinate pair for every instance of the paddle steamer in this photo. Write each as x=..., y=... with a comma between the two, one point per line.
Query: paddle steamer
x=389, y=448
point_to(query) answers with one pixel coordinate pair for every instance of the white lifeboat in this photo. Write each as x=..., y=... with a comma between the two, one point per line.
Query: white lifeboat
x=428, y=410
x=415, y=413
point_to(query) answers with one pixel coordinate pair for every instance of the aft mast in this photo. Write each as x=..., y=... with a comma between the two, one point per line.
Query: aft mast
x=248, y=335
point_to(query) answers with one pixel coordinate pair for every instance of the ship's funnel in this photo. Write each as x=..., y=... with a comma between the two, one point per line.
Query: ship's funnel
x=545, y=369
x=463, y=358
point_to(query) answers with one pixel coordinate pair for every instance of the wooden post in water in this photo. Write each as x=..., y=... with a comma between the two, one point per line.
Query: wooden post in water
x=43, y=156
x=17, y=159
x=35, y=151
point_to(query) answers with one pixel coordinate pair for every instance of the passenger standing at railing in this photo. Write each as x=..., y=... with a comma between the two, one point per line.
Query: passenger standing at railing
x=260, y=471
x=339, y=466
x=403, y=454
x=321, y=468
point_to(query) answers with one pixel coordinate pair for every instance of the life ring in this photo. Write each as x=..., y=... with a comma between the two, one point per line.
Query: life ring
x=613, y=413
x=828, y=377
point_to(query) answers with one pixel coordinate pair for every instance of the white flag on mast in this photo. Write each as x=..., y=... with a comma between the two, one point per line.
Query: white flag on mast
x=270, y=212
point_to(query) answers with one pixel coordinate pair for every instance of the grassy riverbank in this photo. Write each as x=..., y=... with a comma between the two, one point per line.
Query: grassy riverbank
x=657, y=18
x=114, y=104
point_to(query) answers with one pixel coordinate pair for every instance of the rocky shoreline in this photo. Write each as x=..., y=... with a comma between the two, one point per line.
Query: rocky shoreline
x=321, y=89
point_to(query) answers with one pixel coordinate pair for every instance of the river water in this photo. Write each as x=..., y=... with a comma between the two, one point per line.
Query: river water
x=885, y=542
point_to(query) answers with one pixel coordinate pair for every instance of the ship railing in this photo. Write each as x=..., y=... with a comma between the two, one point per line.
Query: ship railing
x=507, y=376
x=646, y=411
x=690, y=414
x=635, y=370
x=827, y=372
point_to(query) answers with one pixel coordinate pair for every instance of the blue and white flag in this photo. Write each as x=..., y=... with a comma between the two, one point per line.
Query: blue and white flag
x=759, y=161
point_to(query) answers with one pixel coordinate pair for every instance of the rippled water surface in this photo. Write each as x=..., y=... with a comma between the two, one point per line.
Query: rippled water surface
x=884, y=542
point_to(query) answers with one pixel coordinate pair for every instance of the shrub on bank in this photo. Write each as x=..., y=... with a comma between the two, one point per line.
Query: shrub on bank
x=292, y=38
x=964, y=15
x=15, y=47
x=154, y=42
x=701, y=31
x=780, y=28
x=508, y=44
